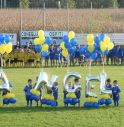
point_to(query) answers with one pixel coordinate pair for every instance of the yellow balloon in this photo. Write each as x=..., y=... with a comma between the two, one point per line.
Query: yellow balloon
x=9, y=95
x=106, y=40
x=110, y=46
x=35, y=91
x=62, y=45
x=37, y=41
x=45, y=48
x=40, y=33
x=91, y=48
x=8, y=48
x=71, y=95
x=65, y=53
x=48, y=97
x=42, y=39
x=90, y=39
x=2, y=48
x=103, y=46
x=71, y=35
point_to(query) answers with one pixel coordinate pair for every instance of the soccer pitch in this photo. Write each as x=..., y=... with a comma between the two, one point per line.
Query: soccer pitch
x=20, y=116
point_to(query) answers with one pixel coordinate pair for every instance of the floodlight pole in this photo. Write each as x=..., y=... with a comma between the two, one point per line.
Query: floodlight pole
x=44, y=14
x=68, y=15
x=20, y=21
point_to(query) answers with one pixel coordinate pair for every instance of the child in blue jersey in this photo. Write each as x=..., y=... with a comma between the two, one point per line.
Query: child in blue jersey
x=40, y=89
x=52, y=53
x=27, y=89
x=78, y=90
x=108, y=84
x=115, y=92
x=57, y=56
x=55, y=90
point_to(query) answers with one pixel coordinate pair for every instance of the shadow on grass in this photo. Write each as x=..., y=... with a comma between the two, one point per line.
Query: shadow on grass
x=48, y=109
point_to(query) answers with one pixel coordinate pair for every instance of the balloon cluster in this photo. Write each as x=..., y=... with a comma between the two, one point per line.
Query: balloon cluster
x=71, y=99
x=33, y=95
x=68, y=44
x=91, y=102
x=42, y=43
x=96, y=45
x=49, y=100
x=5, y=44
x=9, y=98
x=105, y=99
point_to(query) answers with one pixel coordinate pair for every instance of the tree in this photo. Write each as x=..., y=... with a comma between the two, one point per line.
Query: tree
x=71, y=3
x=24, y=3
x=121, y=3
x=109, y=3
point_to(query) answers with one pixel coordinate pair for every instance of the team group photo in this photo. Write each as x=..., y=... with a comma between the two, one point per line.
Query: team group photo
x=61, y=63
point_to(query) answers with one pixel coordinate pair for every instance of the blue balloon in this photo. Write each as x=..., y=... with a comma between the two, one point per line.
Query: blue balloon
x=108, y=101
x=12, y=100
x=45, y=54
x=86, y=104
x=48, y=40
x=38, y=48
x=72, y=50
x=7, y=38
x=53, y=103
x=82, y=50
x=74, y=101
x=94, y=56
x=1, y=38
x=36, y=98
x=96, y=40
x=73, y=41
x=65, y=38
x=68, y=45
x=101, y=37
x=69, y=100
x=95, y=105
x=43, y=101
x=66, y=101
x=101, y=101
x=49, y=102
x=90, y=105
x=106, y=52
x=6, y=101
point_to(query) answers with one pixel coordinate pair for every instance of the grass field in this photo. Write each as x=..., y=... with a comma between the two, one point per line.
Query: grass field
x=20, y=116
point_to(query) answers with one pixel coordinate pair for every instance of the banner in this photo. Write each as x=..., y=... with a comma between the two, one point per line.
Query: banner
x=34, y=34
x=27, y=37
x=13, y=37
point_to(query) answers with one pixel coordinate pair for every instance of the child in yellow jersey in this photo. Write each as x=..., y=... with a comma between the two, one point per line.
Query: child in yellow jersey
x=11, y=58
x=16, y=53
x=31, y=58
x=37, y=59
x=21, y=58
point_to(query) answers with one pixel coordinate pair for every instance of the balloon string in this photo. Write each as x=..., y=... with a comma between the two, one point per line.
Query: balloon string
x=103, y=63
x=42, y=64
x=89, y=62
x=68, y=64
x=1, y=61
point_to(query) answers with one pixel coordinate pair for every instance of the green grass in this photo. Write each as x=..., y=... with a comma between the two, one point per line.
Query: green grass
x=20, y=116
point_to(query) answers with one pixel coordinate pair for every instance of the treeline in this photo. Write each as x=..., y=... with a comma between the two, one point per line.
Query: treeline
x=95, y=3
x=62, y=3
x=77, y=3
